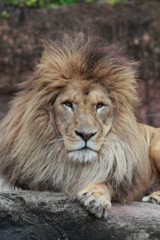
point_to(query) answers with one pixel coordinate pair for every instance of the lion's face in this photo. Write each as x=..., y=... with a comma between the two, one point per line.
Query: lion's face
x=84, y=114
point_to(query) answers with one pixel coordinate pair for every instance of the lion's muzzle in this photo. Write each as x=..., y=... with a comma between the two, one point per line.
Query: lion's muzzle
x=85, y=136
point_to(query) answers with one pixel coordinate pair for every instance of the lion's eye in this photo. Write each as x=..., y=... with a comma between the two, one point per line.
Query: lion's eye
x=99, y=105
x=68, y=104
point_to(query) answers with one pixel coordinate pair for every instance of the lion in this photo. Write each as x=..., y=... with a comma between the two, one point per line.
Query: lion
x=73, y=128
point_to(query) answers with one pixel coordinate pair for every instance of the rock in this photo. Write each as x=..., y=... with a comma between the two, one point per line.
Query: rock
x=26, y=215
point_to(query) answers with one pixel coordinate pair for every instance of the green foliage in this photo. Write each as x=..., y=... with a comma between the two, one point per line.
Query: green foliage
x=51, y=3
x=31, y=3
x=4, y=14
x=113, y=2
x=38, y=3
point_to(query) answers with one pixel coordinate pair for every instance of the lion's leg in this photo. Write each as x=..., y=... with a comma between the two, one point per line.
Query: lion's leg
x=155, y=158
x=97, y=199
x=154, y=198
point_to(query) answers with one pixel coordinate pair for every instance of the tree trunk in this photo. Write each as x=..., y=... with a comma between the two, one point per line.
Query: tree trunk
x=48, y=216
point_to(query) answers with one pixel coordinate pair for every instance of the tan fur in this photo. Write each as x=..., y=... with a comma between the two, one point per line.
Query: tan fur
x=39, y=146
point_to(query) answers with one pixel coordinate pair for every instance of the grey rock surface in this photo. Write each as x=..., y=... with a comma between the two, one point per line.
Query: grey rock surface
x=31, y=215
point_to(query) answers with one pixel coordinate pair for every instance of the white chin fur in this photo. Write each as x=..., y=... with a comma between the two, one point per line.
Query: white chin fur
x=83, y=155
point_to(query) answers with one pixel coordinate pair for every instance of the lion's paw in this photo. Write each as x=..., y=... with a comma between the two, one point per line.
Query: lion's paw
x=153, y=198
x=95, y=202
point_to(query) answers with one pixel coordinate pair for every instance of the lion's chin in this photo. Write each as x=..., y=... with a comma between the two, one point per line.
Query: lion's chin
x=83, y=155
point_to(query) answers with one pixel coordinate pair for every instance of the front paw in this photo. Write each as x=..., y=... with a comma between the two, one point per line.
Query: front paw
x=95, y=202
x=153, y=198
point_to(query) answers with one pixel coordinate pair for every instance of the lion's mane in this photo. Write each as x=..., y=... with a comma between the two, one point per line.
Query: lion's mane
x=32, y=153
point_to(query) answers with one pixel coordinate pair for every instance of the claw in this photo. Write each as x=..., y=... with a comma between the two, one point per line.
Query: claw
x=95, y=203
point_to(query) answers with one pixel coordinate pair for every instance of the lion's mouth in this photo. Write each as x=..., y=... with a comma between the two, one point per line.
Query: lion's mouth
x=85, y=148
x=84, y=154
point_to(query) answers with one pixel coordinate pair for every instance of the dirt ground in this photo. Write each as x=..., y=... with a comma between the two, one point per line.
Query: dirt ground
x=135, y=26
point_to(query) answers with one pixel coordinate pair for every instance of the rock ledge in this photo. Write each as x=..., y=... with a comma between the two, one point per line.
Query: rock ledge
x=47, y=216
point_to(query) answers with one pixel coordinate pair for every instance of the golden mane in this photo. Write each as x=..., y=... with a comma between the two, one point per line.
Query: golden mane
x=32, y=154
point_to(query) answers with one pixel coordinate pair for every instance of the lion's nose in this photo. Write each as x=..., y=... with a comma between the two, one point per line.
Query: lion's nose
x=85, y=136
